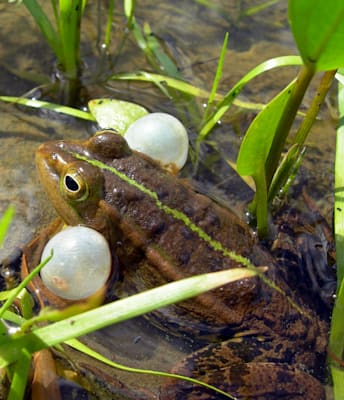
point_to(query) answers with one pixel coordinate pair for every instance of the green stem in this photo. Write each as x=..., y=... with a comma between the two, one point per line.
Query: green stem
x=313, y=110
x=339, y=190
x=336, y=342
x=69, y=30
x=303, y=79
x=261, y=204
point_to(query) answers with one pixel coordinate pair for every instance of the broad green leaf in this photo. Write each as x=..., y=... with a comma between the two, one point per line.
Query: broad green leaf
x=256, y=145
x=115, y=114
x=254, y=152
x=318, y=29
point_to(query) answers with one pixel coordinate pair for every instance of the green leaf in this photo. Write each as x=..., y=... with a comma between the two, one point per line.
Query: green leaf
x=115, y=114
x=16, y=291
x=254, y=151
x=217, y=78
x=164, y=80
x=226, y=103
x=68, y=22
x=73, y=112
x=318, y=29
x=117, y=311
x=45, y=26
x=74, y=343
x=20, y=376
x=256, y=145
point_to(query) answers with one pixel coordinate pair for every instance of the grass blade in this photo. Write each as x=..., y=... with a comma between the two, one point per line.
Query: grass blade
x=20, y=376
x=5, y=222
x=73, y=112
x=15, y=292
x=226, y=103
x=85, y=349
x=115, y=312
x=217, y=78
x=44, y=24
x=159, y=80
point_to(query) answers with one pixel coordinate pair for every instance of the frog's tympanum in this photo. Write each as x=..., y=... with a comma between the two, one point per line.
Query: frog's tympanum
x=265, y=344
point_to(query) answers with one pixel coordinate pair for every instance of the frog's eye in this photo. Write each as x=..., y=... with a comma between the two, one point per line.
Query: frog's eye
x=74, y=185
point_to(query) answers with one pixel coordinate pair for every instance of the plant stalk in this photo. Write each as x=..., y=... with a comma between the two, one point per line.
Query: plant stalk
x=302, y=82
x=314, y=108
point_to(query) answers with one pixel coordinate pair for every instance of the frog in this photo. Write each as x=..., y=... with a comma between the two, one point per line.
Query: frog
x=258, y=339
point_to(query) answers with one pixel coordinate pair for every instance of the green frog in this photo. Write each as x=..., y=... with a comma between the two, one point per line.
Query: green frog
x=264, y=342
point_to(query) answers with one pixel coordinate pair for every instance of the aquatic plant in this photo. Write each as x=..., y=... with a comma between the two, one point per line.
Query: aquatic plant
x=62, y=32
x=63, y=36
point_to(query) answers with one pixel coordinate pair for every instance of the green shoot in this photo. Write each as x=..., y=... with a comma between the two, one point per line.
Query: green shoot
x=217, y=78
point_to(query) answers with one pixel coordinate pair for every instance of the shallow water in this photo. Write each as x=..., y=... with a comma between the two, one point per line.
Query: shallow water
x=192, y=35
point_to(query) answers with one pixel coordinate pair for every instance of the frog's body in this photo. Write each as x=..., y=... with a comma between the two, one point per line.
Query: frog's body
x=162, y=230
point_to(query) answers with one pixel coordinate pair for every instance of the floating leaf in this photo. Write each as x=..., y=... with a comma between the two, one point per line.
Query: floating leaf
x=115, y=114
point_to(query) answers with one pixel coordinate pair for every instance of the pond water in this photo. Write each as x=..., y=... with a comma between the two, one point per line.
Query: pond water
x=192, y=34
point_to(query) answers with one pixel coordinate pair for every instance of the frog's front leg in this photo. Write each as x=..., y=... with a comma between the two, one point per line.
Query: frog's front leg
x=220, y=366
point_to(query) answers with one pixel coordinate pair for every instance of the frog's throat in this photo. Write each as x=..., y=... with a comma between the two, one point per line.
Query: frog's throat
x=216, y=245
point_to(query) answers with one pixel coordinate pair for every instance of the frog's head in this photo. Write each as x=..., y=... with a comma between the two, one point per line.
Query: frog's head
x=74, y=186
